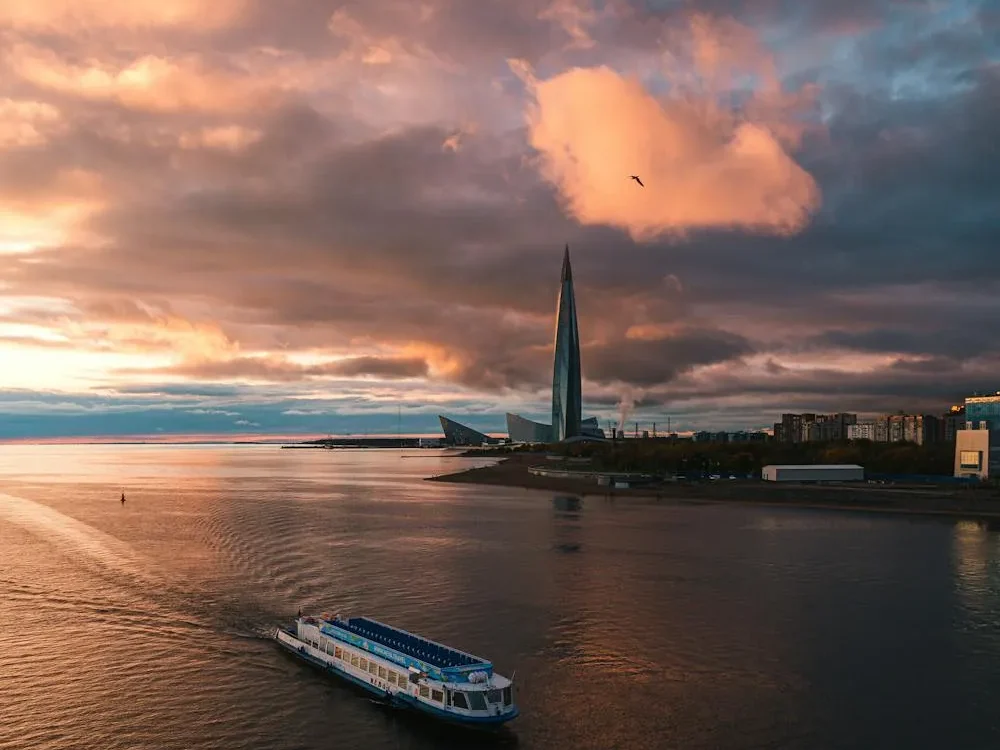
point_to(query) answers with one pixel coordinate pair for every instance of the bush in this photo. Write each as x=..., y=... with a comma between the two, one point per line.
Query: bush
x=663, y=455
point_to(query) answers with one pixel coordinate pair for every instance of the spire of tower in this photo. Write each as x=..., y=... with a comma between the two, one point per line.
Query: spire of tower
x=567, y=271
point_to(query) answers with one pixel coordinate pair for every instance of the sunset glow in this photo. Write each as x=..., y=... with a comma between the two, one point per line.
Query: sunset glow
x=246, y=217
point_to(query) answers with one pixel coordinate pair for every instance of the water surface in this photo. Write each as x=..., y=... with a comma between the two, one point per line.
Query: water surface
x=630, y=624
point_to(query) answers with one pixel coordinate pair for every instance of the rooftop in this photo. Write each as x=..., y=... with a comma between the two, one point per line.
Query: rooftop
x=813, y=466
x=429, y=652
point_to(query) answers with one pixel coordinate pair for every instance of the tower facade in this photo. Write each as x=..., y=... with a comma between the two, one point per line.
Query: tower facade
x=567, y=390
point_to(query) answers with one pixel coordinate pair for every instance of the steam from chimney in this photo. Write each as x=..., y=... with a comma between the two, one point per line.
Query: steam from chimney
x=625, y=406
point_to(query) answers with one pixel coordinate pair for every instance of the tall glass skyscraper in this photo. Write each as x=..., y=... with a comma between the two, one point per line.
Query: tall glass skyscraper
x=567, y=390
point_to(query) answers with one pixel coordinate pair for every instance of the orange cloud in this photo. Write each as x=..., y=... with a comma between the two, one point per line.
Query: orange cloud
x=573, y=16
x=50, y=216
x=225, y=138
x=27, y=123
x=653, y=331
x=375, y=50
x=703, y=165
x=62, y=15
x=151, y=83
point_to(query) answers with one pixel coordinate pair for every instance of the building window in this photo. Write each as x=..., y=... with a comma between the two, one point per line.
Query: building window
x=425, y=691
x=971, y=460
x=458, y=700
x=381, y=673
x=437, y=695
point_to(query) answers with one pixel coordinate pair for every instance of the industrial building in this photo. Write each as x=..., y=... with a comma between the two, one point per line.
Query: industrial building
x=813, y=473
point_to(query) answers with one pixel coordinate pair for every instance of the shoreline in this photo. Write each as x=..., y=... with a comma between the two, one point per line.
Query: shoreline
x=933, y=501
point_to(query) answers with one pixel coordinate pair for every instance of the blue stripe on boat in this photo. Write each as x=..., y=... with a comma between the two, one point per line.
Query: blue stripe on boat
x=410, y=645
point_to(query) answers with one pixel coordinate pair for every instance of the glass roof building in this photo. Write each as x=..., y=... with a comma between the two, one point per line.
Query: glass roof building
x=456, y=433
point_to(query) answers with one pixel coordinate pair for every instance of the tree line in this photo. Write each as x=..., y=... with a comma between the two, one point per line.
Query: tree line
x=679, y=456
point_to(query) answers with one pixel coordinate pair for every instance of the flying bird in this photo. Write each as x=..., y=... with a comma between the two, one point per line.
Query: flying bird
x=636, y=178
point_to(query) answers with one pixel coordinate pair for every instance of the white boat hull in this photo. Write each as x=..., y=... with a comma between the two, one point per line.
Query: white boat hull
x=382, y=677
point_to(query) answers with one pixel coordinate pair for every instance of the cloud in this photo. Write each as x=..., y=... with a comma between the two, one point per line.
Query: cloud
x=149, y=83
x=278, y=369
x=649, y=361
x=65, y=15
x=703, y=165
x=26, y=122
x=318, y=210
x=573, y=17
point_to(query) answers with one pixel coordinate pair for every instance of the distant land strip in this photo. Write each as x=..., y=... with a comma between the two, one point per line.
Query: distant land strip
x=959, y=502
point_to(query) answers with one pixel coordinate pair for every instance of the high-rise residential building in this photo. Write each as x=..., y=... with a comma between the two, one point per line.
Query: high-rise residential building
x=861, y=431
x=791, y=428
x=951, y=422
x=567, y=389
x=809, y=428
x=881, y=430
x=910, y=428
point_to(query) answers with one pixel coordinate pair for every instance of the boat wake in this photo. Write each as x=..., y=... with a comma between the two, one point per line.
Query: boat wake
x=103, y=550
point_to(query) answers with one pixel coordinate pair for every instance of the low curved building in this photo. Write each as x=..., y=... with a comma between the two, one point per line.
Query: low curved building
x=523, y=430
x=456, y=433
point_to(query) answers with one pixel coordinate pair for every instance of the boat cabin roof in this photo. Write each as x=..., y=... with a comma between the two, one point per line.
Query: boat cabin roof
x=412, y=645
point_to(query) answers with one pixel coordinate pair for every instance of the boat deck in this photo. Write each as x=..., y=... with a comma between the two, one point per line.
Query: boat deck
x=406, y=643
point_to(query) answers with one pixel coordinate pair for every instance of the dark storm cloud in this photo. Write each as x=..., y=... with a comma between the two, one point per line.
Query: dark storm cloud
x=647, y=363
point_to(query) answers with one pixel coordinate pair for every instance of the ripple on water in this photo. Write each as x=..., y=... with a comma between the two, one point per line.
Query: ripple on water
x=668, y=626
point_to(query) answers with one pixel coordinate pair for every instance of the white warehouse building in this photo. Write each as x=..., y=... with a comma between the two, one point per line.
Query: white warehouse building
x=813, y=473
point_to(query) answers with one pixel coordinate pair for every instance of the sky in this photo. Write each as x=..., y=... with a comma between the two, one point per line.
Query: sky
x=250, y=217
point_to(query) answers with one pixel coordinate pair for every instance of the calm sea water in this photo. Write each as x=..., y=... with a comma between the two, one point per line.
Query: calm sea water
x=629, y=624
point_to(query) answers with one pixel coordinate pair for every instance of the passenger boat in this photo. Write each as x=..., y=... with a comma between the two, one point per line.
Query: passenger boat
x=404, y=669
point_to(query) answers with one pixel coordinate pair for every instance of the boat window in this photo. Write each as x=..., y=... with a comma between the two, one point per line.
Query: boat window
x=458, y=700
x=354, y=660
x=493, y=696
x=364, y=665
x=381, y=673
x=424, y=691
x=372, y=668
x=437, y=695
x=337, y=652
x=392, y=677
x=507, y=696
x=477, y=701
